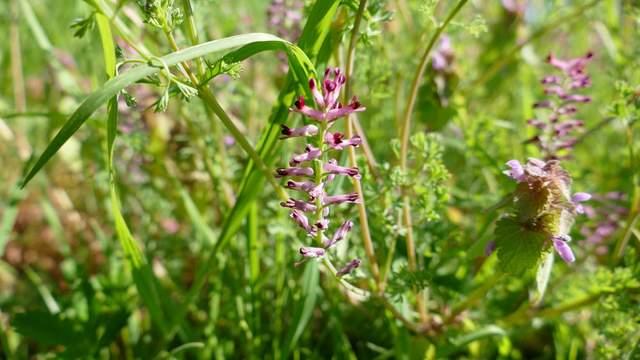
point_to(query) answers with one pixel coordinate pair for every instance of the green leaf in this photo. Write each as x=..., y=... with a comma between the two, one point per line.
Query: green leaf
x=487, y=331
x=543, y=275
x=115, y=85
x=48, y=329
x=305, y=308
x=108, y=47
x=518, y=248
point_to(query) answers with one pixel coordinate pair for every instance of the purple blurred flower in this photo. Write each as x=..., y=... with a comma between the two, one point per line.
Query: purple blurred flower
x=516, y=7
x=554, y=135
x=348, y=268
x=443, y=56
x=516, y=172
x=312, y=252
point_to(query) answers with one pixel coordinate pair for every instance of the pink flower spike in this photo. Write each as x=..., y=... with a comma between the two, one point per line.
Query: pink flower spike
x=312, y=252
x=348, y=268
x=308, y=130
x=298, y=204
x=294, y=171
x=560, y=243
x=351, y=198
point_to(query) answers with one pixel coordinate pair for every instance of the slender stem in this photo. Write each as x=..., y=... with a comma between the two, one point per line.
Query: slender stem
x=192, y=31
x=121, y=28
x=404, y=147
x=634, y=208
x=411, y=101
x=477, y=295
x=362, y=210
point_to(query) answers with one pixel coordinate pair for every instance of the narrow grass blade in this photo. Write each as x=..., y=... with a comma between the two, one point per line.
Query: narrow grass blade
x=116, y=84
x=304, y=310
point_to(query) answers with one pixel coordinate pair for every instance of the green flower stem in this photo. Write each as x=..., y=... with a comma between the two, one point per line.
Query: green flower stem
x=415, y=85
x=473, y=298
x=404, y=145
x=362, y=209
x=634, y=209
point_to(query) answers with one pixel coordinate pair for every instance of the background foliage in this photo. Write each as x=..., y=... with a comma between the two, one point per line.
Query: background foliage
x=155, y=232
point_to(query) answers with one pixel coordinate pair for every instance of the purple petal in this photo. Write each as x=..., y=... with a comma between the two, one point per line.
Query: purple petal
x=516, y=172
x=563, y=249
x=580, y=197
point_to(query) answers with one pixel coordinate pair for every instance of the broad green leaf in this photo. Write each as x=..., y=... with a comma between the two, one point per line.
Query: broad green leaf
x=49, y=329
x=518, y=248
x=116, y=84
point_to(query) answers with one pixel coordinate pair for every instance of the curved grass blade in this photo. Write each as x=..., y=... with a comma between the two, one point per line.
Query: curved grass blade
x=113, y=86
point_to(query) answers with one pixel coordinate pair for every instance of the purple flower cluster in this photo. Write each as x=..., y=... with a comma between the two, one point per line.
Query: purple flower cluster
x=605, y=220
x=311, y=171
x=536, y=175
x=555, y=130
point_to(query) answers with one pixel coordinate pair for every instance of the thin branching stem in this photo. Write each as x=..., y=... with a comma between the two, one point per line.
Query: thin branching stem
x=404, y=146
x=362, y=210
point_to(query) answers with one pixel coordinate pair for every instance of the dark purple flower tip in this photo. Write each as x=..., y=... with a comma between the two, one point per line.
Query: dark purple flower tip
x=307, y=130
x=322, y=224
x=551, y=79
x=311, y=252
x=348, y=268
x=312, y=84
x=490, y=248
x=299, y=103
x=560, y=243
x=542, y=104
x=329, y=85
x=327, y=71
x=516, y=172
x=537, y=123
